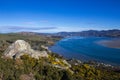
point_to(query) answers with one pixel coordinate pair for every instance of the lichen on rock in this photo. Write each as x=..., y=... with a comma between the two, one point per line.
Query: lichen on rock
x=21, y=47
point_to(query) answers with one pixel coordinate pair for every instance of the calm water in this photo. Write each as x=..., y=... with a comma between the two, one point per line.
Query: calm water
x=86, y=49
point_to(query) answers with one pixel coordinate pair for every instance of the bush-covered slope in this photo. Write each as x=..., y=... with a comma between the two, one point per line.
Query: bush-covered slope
x=52, y=68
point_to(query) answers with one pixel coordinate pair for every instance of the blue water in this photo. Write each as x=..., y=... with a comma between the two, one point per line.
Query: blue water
x=86, y=48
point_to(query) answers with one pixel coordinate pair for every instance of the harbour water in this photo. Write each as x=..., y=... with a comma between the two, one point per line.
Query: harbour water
x=86, y=48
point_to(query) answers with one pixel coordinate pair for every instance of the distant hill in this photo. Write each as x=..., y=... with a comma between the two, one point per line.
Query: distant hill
x=90, y=33
x=27, y=33
x=51, y=35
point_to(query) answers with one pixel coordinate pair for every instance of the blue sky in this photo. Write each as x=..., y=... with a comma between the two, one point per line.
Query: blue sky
x=58, y=15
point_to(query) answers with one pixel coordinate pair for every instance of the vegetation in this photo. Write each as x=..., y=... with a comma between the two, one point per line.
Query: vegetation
x=34, y=40
x=39, y=70
x=28, y=68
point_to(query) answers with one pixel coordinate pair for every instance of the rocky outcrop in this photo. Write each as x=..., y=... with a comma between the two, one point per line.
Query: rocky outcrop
x=20, y=47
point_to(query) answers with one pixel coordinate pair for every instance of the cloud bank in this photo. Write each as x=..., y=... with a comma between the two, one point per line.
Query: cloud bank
x=7, y=29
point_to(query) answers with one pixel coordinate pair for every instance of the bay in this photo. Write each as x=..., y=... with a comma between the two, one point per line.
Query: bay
x=86, y=48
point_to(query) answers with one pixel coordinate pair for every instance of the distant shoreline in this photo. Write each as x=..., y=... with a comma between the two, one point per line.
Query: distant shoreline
x=110, y=43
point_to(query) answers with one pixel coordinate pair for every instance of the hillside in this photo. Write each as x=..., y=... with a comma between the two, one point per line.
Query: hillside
x=53, y=67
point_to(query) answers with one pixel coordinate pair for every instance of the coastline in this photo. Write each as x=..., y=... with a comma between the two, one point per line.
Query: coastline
x=96, y=61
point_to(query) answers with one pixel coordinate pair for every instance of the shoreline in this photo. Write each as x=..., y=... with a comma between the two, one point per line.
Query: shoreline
x=103, y=43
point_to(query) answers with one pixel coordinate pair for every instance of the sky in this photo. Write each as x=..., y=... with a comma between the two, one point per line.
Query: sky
x=50, y=16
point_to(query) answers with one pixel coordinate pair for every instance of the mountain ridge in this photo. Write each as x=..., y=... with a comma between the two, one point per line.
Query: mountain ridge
x=90, y=33
x=87, y=33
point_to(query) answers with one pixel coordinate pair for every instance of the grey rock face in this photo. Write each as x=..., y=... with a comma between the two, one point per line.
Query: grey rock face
x=20, y=47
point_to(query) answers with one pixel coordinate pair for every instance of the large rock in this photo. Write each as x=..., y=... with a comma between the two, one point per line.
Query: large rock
x=20, y=47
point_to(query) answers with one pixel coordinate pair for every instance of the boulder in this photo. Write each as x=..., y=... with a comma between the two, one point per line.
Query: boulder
x=21, y=47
